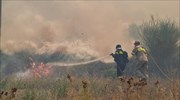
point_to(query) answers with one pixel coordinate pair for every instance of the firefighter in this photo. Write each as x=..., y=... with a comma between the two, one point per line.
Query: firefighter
x=140, y=54
x=121, y=58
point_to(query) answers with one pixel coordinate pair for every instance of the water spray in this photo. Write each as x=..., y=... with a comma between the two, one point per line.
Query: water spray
x=76, y=64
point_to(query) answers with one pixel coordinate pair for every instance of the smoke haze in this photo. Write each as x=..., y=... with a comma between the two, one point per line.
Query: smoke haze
x=91, y=27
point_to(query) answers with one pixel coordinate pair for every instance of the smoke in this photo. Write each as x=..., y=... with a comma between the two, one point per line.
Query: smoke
x=77, y=48
x=23, y=75
x=71, y=31
x=92, y=28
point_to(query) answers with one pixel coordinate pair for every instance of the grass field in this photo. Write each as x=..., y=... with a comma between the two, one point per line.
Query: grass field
x=88, y=88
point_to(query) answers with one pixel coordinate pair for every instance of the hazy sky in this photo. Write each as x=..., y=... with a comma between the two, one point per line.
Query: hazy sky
x=102, y=23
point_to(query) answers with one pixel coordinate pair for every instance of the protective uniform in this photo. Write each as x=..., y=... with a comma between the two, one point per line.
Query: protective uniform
x=121, y=58
x=142, y=61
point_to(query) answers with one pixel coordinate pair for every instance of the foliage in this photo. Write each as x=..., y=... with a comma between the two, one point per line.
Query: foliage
x=89, y=88
x=160, y=36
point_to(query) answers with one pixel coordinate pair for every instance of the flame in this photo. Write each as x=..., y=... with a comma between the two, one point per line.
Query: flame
x=40, y=70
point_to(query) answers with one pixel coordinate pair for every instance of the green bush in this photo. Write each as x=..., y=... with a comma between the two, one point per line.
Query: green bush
x=160, y=37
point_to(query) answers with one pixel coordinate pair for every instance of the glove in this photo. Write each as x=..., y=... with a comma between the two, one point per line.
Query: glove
x=111, y=54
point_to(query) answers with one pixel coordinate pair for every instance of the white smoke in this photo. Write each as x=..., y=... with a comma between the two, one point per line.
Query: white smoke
x=11, y=46
x=50, y=23
x=23, y=75
x=78, y=48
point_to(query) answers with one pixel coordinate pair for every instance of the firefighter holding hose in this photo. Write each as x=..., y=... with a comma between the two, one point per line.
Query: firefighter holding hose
x=121, y=59
x=140, y=54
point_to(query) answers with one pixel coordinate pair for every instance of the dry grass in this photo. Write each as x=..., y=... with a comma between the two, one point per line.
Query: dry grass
x=88, y=88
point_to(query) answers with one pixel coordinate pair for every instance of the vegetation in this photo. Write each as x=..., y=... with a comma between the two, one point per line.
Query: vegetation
x=160, y=36
x=18, y=61
x=88, y=88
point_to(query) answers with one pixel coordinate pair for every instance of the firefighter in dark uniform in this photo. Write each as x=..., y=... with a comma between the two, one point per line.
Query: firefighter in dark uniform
x=121, y=59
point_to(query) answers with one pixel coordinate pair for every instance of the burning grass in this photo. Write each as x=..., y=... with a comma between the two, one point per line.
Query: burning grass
x=88, y=88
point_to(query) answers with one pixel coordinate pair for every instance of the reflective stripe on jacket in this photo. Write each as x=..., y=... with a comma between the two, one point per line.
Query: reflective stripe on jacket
x=140, y=53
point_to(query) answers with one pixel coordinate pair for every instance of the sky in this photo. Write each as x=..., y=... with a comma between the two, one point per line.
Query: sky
x=94, y=27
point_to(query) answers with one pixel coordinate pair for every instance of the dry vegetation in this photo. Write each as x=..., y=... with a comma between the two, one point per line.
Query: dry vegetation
x=88, y=88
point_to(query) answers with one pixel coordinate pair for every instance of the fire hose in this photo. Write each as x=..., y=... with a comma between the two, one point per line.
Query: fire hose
x=157, y=65
x=80, y=63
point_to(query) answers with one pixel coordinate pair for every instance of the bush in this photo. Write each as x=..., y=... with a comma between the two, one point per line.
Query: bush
x=160, y=36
